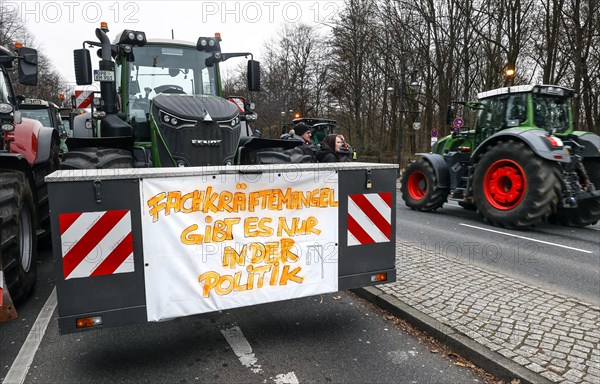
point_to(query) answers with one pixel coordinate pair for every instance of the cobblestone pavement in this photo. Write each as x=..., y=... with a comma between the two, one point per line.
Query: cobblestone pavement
x=552, y=335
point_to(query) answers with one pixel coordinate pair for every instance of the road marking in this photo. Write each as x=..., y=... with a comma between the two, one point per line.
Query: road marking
x=19, y=368
x=241, y=348
x=243, y=351
x=527, y=238
x=287, y=378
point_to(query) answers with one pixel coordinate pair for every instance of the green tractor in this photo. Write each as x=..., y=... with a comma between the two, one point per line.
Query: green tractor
x=160, y=104
x=319, y=127
x=523, y=163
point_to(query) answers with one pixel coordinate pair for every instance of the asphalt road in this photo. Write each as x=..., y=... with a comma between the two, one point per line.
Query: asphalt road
x=328, y=338
x=562, y=259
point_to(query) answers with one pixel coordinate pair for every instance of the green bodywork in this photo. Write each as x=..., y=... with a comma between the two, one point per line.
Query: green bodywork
x=537, y=108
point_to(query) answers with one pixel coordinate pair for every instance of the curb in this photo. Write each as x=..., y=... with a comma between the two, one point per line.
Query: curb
x=483, y=357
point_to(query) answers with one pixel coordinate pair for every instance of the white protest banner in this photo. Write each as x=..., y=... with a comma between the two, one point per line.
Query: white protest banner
x=232, y=240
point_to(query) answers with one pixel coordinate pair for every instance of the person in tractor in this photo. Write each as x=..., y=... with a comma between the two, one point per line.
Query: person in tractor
x=302, y=132
x=332, y=150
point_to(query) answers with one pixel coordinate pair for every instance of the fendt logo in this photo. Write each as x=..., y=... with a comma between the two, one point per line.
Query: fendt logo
x=206, y=143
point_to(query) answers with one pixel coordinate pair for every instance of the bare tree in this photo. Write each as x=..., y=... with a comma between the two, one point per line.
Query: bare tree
x=50, y=81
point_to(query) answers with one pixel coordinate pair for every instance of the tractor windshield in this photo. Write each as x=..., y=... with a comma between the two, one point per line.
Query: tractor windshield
x=551, y=112
x=40, y=115
x=167, y=69
x=500, y=112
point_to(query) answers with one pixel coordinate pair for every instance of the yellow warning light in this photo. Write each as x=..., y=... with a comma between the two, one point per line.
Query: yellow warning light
x=218, y=35
x=296, y=115
x=103, y=24
x=61, y=96
x=18, y=45
x=510, y=72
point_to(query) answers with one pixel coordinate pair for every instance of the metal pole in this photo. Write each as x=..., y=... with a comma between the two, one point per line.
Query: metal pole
x=400, y=119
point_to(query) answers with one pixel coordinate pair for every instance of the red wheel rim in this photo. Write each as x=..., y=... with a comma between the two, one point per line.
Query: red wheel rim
x=417, y=185
x=504, y=184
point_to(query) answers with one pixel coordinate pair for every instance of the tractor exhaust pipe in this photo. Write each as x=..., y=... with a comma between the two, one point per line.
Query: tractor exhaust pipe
x=107, y=88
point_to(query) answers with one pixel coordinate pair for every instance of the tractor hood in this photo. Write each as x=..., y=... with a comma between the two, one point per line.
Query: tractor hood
x=195, y=130
x=196, y=107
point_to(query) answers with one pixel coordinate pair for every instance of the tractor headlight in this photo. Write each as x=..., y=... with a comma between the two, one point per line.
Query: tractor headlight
x=175, y=121
x=6, y=108
x=208, y=44
x=229, y=123
x=133, y=37
x=7, y=127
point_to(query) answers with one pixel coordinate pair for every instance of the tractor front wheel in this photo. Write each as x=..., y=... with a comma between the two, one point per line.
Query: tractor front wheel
x=97, y=158
x=18, y=237
x=513, y=187
x=420, y=189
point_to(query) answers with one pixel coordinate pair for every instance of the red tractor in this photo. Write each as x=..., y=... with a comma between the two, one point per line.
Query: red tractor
x=28, y=152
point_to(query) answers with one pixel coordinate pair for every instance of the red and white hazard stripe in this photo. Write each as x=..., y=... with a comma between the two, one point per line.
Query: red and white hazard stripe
x=369, y=218
x=96, y=243
x=83, y=99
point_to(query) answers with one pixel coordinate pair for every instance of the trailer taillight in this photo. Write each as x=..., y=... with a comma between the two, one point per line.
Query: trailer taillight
x=87, y=322
x=378, y=277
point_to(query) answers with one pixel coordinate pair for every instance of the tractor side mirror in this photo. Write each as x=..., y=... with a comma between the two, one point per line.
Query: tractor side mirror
x=253, y=76
x=83, y=66
x=28, y=72
x=449, y=115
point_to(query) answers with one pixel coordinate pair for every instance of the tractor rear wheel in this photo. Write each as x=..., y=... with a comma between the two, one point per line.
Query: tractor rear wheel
x=19, y=240
x=587, y=212
x=97, y=158
x=420, y=189
x=513, y=187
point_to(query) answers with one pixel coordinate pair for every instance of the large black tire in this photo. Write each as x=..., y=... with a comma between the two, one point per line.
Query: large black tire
x=420, y=190
x=41, y=171
x=587, y=212
x=18, y=236
x=513, y=187
x=97, y=158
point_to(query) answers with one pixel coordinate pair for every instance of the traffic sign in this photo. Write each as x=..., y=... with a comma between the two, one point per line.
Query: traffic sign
x=434, y=132
x=458, y=122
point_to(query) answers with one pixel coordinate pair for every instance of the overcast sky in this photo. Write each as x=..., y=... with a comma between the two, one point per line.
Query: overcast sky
x=60, y=27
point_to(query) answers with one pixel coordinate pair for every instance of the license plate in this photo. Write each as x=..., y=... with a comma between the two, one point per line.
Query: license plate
x=104, y=75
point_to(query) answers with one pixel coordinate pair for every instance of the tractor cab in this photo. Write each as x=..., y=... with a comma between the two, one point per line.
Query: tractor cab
x=525, y=107
x=47, y=113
